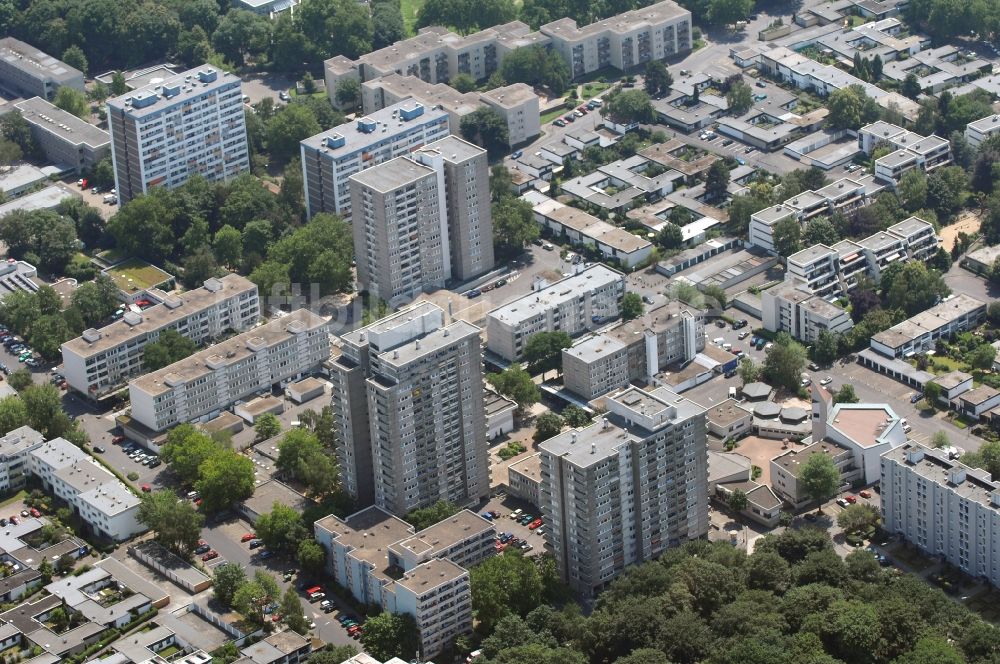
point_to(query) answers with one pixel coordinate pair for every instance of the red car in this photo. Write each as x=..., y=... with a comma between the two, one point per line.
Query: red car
x=118, y=440
x=35, y=513
x=14, y=520
x=146, y=488
x=534, y=524
x=851, y=499
x=275, y=618
x=211, y=555
x=248, y=537
x=865, y=494
x=353, y=628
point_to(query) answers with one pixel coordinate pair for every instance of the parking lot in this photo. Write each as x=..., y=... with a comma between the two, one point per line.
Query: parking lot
x=507, y=505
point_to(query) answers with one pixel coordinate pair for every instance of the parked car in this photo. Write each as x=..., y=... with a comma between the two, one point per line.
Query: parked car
x=202, y=548
x=146, y=488
x=559, y=122
x=742, y=335
x=826, y=381
x=265, y=554
x=516, y=154
x=99, y=449
x=865, y=494
x=851, y=499
x=255, y=543
x=247, y=537
x=35, y=513
x=211, y=555
x=534, y=524
x=915, y=397
x=842, y=502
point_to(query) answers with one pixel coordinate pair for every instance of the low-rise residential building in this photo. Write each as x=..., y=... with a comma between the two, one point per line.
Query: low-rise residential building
x=953, y=384
x=380, y=560
x=499, y=414
x=582, y=228
x=524, y=479
x=200, y=386
x=285, y=647
x=911, y=150
x=621, y=185
x=626, y=488
x=978, y=131
x=763, y=505
x=578, y=303
x=15, y=447
x=634, y=351
x=786, y=467
x=65, y=139
x=866, y=430
x=920, y=332
x=728, y=419
x=982, y=260
x=100, y=361
x=25, y=71
x=943, y=507
x=105, y=505
x=976, y=402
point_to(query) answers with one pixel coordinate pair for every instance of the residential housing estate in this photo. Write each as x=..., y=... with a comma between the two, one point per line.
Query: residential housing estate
x=165, y=132
x=102, y=360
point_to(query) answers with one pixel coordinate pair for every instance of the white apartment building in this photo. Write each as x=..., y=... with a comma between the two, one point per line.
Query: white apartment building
x=920, y=333
x=382, y=561
x=100, y=361
x=212, y=379
x=64, y=138
x=844, y=195
x=435, y=55
x=791, y=308
x=978, y=131
x=911, y=151
x=106, y=505
x=409, y=408
x=636, y=350
x=422, y=220
x=573, y=305
x=14, y=450
x=944, y=507
x=787, y=466
x=25, y=71
x=626, y=488
x=517, y=104
x=165, y=132
x=329, y=159
x=624, y=41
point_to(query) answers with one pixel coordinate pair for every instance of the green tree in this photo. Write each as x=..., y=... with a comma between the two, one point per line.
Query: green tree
x=737, y=500
x=389, y=635
x=670, y=236
x=333, y=654
x=846, y=394
x=657, y=79
x=940, y=439
x=503, y=585
x=223, y=479
x=629, y=107
x=226, y=580
x=428, y=516
x=177, y=523
x=819, y=478
x=514, y=226
x=825, y=347
x=10, y=152
x=252, y=596
x=931, y=649
x=820, y=231
x=911, y=87
x=912, y=190
x=632, y=306
x=348, y=92
x=536, y=66
x=749, y=371
x=787, y=235
x=72, y=101
x=715, y=296
x=543, y=351
x=724, y=12
x=740, y=98
x=547, y=425
x=13, y=414
x=717, y=181
x=267, y=426
x=301, y=456
x=858, y=518
x=291, y=611
x=845, y=108
x=575, y=416
x=292, y=124
x=240, y=34
x=486, y=128
x=170, y=347
x=463, y=82
x=912, y=287
x=45, y=569
x=74, y=57
x=311, y=557
x=228, y=246
x=784, y=362
x=946, y=190
x=281, y=529
x=96, y=299
x=185, y=449
x=516, y=383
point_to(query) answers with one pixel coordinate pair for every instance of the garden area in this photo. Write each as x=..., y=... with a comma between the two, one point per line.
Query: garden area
x=511, y=450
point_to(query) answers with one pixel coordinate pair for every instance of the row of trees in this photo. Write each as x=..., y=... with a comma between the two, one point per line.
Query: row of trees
x=793, y=600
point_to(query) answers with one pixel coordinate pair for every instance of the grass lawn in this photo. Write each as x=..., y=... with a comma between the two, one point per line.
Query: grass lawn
x=948, y=364
x=19, y=496
x=135, y=274
x=593, y=89
x=168, y=651
x=549, y=116
x=410, y=9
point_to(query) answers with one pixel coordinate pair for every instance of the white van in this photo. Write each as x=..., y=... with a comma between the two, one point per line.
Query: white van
x=732, y=392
